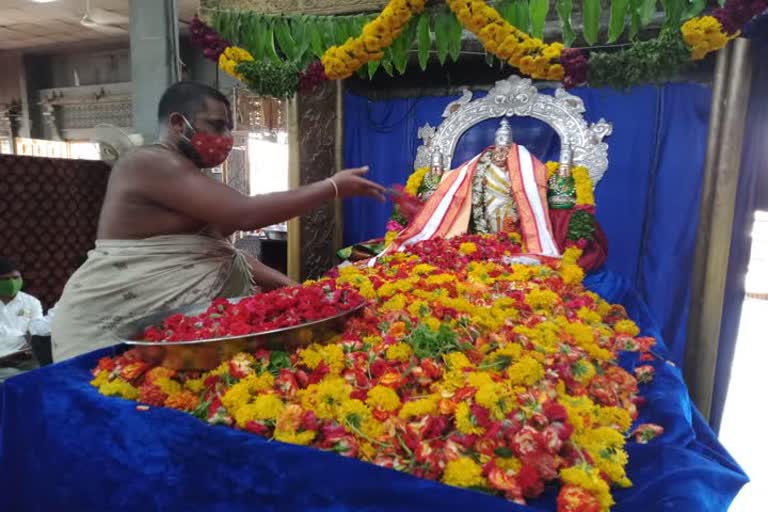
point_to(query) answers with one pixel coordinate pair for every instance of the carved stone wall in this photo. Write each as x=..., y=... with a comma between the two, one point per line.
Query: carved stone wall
x=317, y=146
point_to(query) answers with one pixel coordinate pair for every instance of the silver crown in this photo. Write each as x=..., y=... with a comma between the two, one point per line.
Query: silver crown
x=503, y=134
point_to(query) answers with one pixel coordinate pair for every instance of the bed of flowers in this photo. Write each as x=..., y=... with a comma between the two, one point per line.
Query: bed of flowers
x=468, y=367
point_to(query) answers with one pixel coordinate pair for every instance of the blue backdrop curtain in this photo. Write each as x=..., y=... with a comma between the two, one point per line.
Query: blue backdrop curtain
x=752, y=195
x=647, y=202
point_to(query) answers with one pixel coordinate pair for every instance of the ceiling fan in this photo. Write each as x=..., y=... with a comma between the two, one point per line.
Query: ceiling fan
x=104, y=21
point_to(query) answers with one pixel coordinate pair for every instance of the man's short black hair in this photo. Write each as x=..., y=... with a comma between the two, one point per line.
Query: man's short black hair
x=186, y=98
x=7, y=266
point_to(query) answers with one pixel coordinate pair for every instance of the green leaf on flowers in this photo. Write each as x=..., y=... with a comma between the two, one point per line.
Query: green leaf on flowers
x=538, y=14
x=591, y=12
x=564, y=10
x=616, y=24
x=424, y=40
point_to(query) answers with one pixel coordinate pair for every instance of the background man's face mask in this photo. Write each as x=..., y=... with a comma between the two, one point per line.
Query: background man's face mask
x=205, y=149
x=10, y=287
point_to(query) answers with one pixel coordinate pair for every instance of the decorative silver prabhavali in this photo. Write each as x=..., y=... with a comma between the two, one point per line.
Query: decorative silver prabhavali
x=517, y=96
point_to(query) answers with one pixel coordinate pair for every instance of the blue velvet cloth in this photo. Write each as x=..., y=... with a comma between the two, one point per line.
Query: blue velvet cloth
x=647, y=202
x=65, y=447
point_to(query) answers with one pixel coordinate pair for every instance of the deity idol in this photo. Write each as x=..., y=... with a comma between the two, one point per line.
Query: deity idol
x=506, y=189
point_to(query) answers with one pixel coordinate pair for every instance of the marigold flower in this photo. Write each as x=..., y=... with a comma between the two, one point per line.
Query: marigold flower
x=463, y=472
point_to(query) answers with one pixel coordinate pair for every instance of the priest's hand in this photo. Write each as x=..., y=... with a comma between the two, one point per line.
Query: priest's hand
x=350, y=183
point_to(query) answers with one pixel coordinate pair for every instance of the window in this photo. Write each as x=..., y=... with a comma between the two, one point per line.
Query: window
x=268, y=161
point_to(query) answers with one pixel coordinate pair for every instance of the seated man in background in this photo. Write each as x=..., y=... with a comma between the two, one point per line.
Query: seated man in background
x=17, y=311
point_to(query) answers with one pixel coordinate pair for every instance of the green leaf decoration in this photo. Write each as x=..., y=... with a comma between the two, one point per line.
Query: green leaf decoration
x=386, y=62
x=695, y=7
x=424, y=40
x=507, y=10
x=315, y=38
x=284, y=39
x=373, y=66
x=300, y=34
x=647, y=11
x=538, y=14
x=564, y=10
x=328, y=31
x=673, y=9
x=591, y=11
x=656, y=61
x=442, y=35
x=456, y=31
x=270, y=49
x=616, y=24
x=635, y=18
x=402, y=46
x=522, y=17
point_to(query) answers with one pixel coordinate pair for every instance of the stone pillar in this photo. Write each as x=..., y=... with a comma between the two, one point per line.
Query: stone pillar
x=154, y=59
x=314, y=134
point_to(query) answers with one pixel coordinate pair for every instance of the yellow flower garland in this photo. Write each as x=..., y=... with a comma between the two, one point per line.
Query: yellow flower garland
x=704, y=35
x=231, y=57
x=530, y=55
x=341, y=62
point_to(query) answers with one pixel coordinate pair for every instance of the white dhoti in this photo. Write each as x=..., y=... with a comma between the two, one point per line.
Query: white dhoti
x=123, y=280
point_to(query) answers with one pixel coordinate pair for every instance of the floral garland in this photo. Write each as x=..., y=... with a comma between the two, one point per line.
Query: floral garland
x=664, y=56
x=465, y=369
x=341, y=62
x=529, y=54
x=265, y=78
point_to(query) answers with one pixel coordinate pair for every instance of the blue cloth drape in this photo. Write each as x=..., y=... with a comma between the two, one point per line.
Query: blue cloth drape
x=752, y=195
x=65, y=447
x=647, y=202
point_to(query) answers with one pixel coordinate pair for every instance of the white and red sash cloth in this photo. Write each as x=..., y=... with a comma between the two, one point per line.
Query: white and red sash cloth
x=447, y=211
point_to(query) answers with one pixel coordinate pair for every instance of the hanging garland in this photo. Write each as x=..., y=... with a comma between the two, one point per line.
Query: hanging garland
x=665, y=56
x=530, y=55
x=341, y=62
x=278, y=79
x=349, y=44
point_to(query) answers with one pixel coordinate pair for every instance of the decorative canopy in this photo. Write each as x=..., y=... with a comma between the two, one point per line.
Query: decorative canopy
x=296, y=6
x=517, y=96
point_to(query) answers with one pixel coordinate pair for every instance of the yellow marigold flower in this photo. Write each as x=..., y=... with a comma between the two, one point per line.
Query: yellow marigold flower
x=168, y=386
x=441, y=279
x=589, y=316
x=477, y=379
x=399, y=352
x=433, y=323
x=606, y=447
x=512, y=463
x=101, y=378
x=511, y=350
x=588, y=478
x=353, y=412
x=325, y=397
x=120, y=388
x=415, y=180
x=494, y=397
x=389, y=237
x=571, y=255
x=572, y=274
x=583, y=371
x=236, y=396
x=468, y=248
x=418, y=308
x=368, y=451
x=311, y=356
x=418, y=407
x=456, y=360
x=613, y=417
x=540, y=298
x=383, y=398
x=396, y=303
x=265, y=407
x=194, y=385
x=627, y=327
x=463, y=472
x=300, y=438
x=527, y=371
x=423, y=268
x=334, y=357
x=464, y=422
